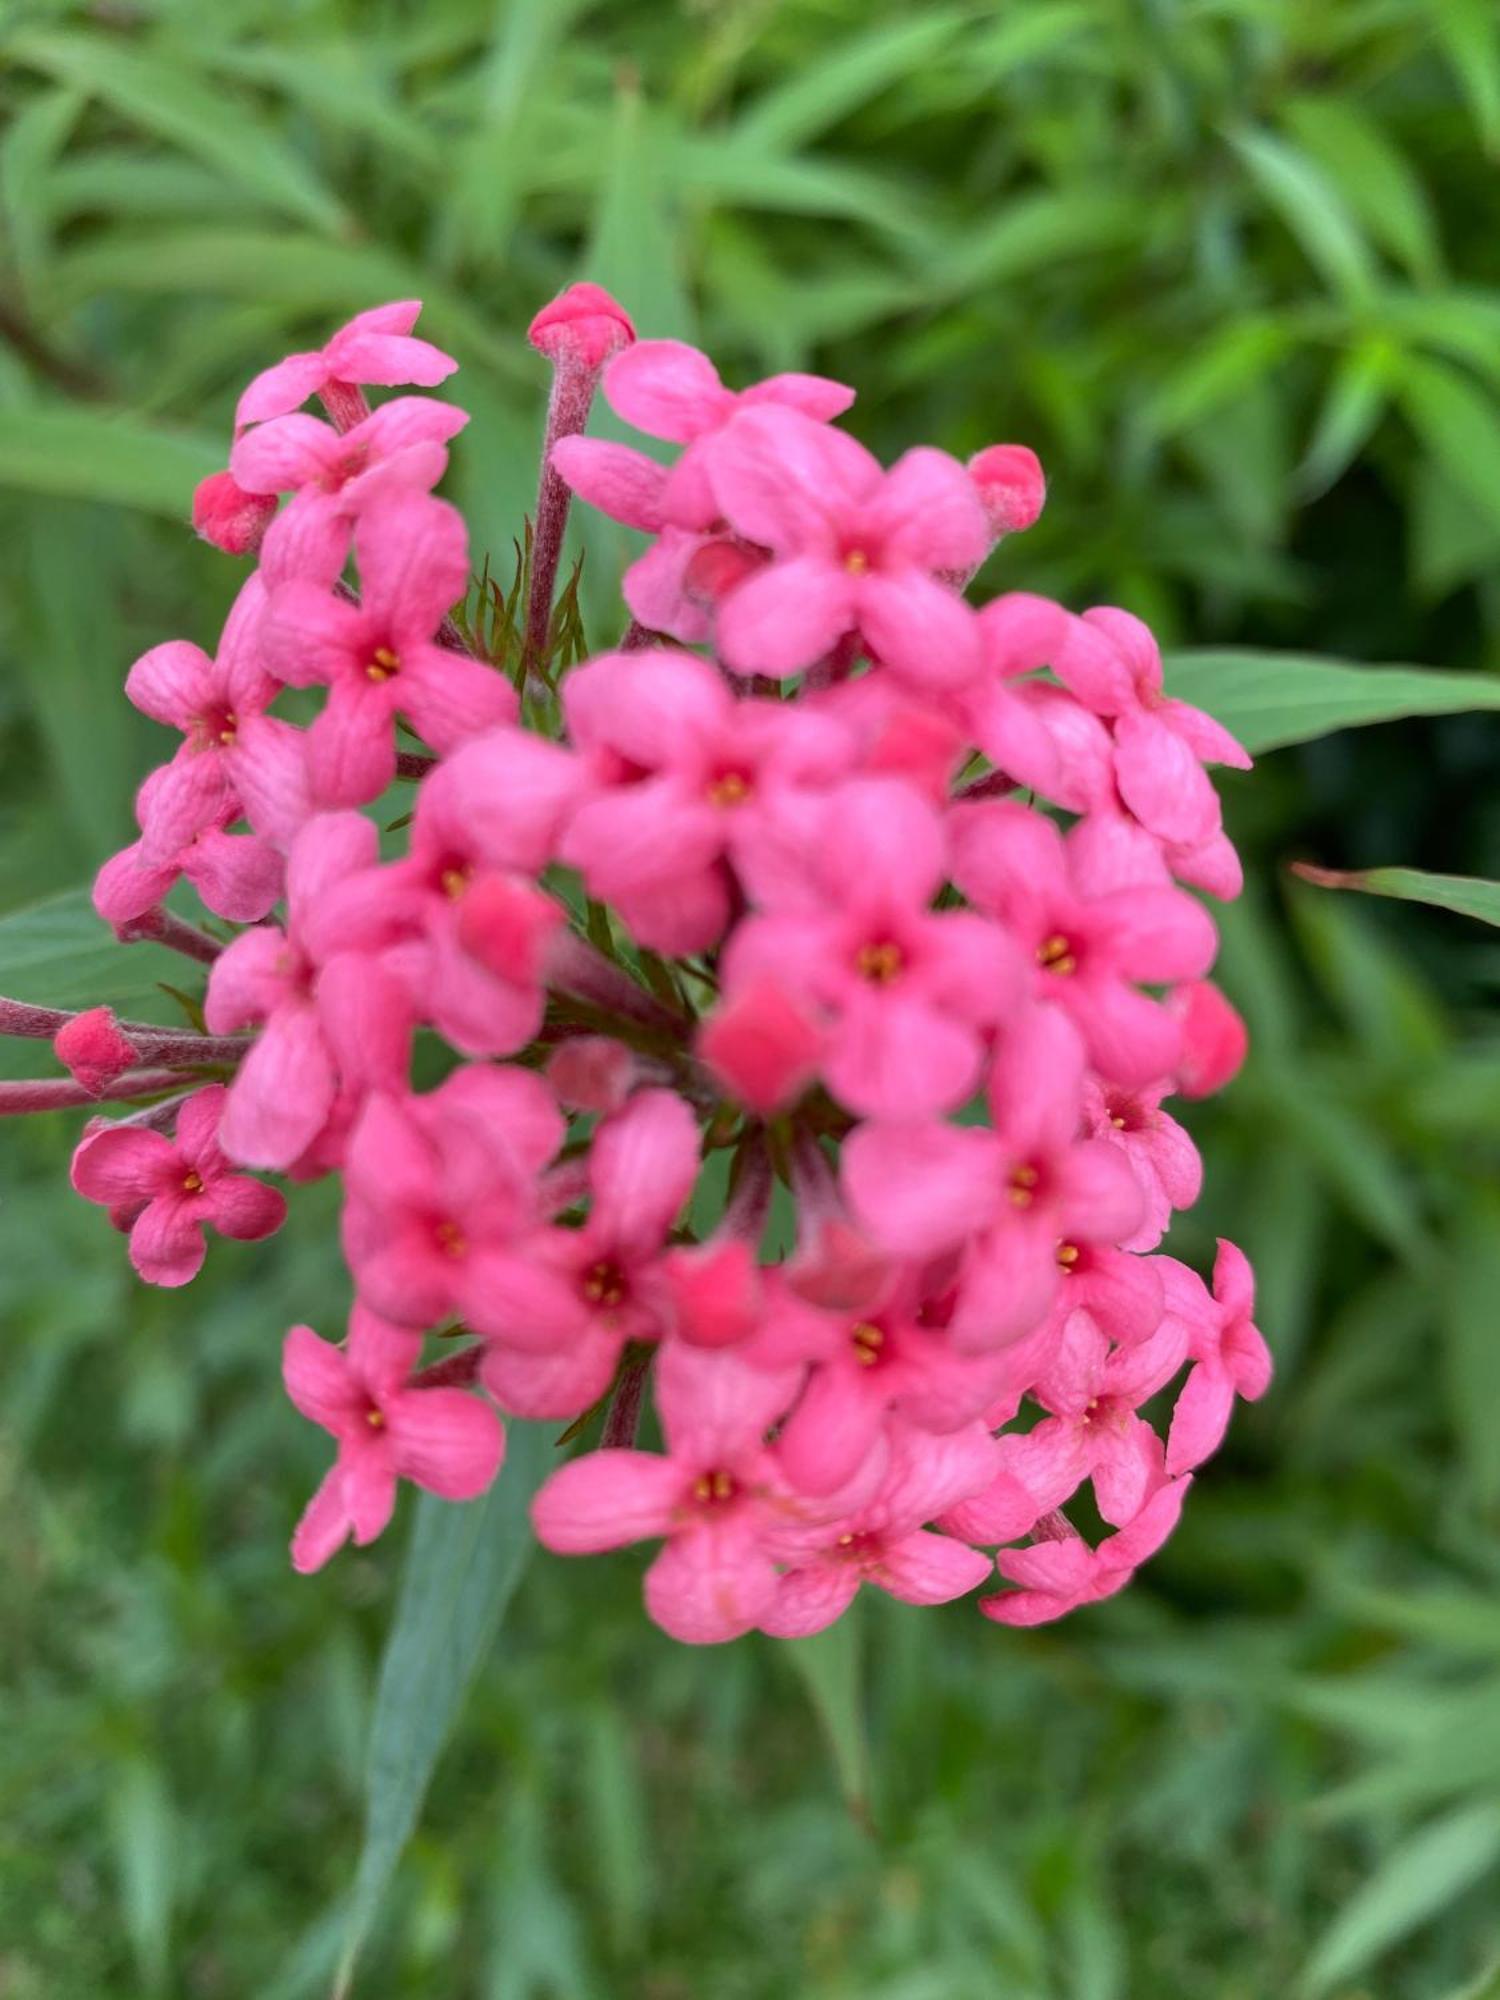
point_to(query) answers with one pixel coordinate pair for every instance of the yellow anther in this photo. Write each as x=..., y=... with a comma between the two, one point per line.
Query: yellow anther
x=1118, y=1122
x=1055, y=954
x=846, y=1541
x=730, y=788
x=1023, y=1182
x=1067, y=1255
x=451, y=1240
x=229, y=730
x=868, y=1341
x=192, y=1183
x=375, y=1419
x=453, y=882
x=856, y=562
x=604, y=1284
x=880, y=962
x=382, y=664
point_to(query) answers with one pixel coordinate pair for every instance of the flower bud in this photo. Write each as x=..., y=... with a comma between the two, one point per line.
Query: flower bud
x=229, y=517
x=581, y=324
x=1011, y=485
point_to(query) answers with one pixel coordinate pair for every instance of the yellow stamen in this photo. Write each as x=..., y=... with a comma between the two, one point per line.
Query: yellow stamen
x=856, y=562
x=192, y=1183
x=868, y=1341
x=229, y=730
x=881, y=962
x=1056, y=956
x=451, y=1239
x=1023, y=1182
x=453, y=882
x=604, y=1284
x=1118, y=1122
x=730, y=789
x=1067, y=1255
x=375, y=1419
x=383, y=663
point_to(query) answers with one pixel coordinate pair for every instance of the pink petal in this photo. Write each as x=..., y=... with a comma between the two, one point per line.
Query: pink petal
x=810, y=1600
x=244, y=1209
x=642, y=1167
x=237, y=875
x=278, y=389
x=287, y=452
x=1128, y=1464
x=1158, y=935
x=895, y=1056
x=651, y=708
x=815, y=396
x=451, y=698
x=166, y=1241
x=877, y=836
x=413, y=556
x=708, y=1586
x=927, y=513
x=666, y=389
x=445, y=1440
x=351, y=750
x=388, y=361
x=1208, y=739
x=324, y=1526
x=919, y=1187
x=171, y=683
x=918, y=628
x=1162, y=782
x=247, y=980
x=606, y=1499
x=123, y=1164
x=1036, y=1083
x=557, y=1386
x=268, y=765
x=930, y=1569
x=318, y=1379
x=787, y=616
x=310, y=637
x=1200, y=1418
x=832, y=1431
x=715, y=1407
x=786, y=482
x=622, y=483
x=282, y=1094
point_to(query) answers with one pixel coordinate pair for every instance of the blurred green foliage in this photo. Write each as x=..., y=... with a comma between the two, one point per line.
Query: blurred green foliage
x=1233, y=268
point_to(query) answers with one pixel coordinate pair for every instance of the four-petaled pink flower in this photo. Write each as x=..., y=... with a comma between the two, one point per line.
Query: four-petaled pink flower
x=1162, y=1156
x=687, y=778
x=379, y=658
x=905, y=991
x=857, y=548
x=447, y=1441
x=1061, y=1572
x=716, y=1497
x=1229, y=1354
x=166, y=1192
x=564, y=1302
x=377, y=348
x=887, y=1542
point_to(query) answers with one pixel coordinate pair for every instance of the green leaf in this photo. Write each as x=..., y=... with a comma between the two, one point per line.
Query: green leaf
x=92, y=454
x=829, y=1667
x=1467, y=895
x=1470, y=38
x=59, y=954
x=1356, y=399
x=1472, y=1354
x=1312, y=209
x=1372, y=175
x=1271, y=699
x=462, y=1567
x=1030, y=233
x=142, y=1833
x=816, y=97
x=1459, y=425
x=173, y=104
x=1230, y=361
x=1421, y=1877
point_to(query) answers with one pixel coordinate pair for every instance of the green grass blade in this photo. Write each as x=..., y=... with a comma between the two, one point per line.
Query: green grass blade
x=1271, y=699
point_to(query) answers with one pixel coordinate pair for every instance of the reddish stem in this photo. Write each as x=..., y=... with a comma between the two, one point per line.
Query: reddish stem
x=573, y=383
x=625, y=1408
x=345, y=404
x=17, y=1100
x=160, y=926
x=454, y=1371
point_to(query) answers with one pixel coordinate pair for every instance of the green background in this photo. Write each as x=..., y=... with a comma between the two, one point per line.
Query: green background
x=1233, y=268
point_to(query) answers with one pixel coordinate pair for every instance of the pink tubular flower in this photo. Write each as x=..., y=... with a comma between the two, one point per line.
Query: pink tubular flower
x=1058, y=1574
x=334, y=476
x=444, y=1440
x=1013, y=1194
x=687, y=778
x=582, y=323
x=857, y=549
x=376, y=347
x=440, y=1186
x=379, y=658
x=564, y=1302
x=716, y=1497
x=1011, y=486
x=327, y=1009
x=1229, y=1354
x=166, y=1192
x=762, y=1045
x=1162, y=1156
x=486, y=823
x=234, y=757
x=1087, y=951
x=887, y=1542
x=238, y=875
x=905, y=992
x=1215, y=1040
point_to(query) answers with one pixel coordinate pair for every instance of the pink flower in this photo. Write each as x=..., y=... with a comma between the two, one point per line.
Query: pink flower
x=1062, y=1572
x=1230, y=1356
x=1161, y=745
x=1012, y=1195
x=234, y=757
x=238, y=875
x=904, y=992
x=166, y=1192
x=487, y=823
x=887, y=1542
x=1093, y=1431
x=228, y=517
x=94, y=1049
x=689, y=778
x=1162, y=1156
x=715, y=1497
x=441, y=1186
x=857, y=549
x=1215, y=1040
x=444, y=1440
x=582, y=323
x=1011, y=486
x=564, y=1302
x=762, y=1045
x=334, y=476
x=376, y=347
x=379, y=658
x=328, y=1010
x=1086, y=951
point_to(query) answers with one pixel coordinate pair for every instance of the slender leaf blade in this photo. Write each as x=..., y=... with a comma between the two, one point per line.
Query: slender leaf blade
x=1269, y=700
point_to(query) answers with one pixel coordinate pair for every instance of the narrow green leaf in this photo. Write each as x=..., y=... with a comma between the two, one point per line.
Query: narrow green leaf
x=1271, y=699
x=1230, y=361
x=1422, y=1876
x=172, y=103
x=1356, y=400
x=1373, y=176
x=1458, y=424
x=829, y=1665
x=818, y=96
x=1470, y=37
x=1031, y=233
x=92, y=454
x=1312, y=209
x=1467, y=895
x=141, y=1823
x=1472, y=1371
x=462, y=1567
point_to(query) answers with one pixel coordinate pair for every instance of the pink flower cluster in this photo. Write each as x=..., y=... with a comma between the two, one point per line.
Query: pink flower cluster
x=768, y=892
